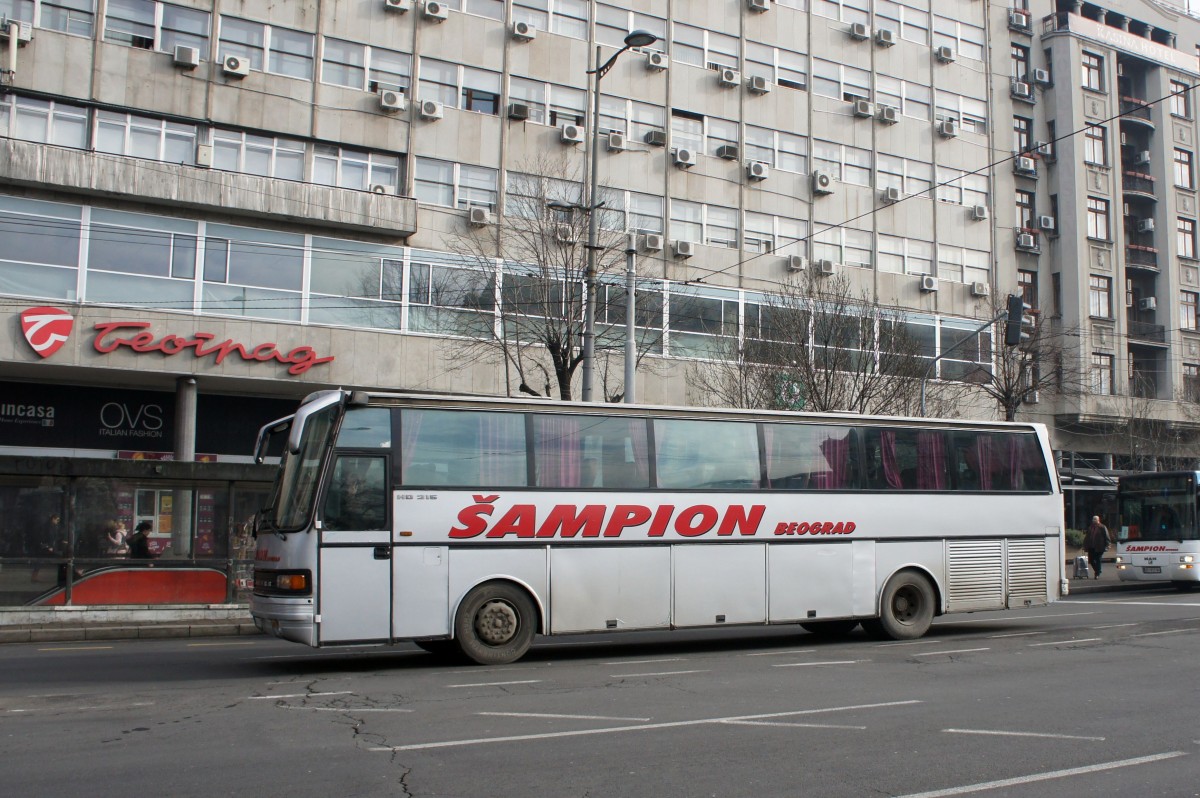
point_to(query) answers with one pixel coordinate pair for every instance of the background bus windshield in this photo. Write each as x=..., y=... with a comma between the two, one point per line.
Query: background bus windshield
x=297, y=486
x=1159, y=510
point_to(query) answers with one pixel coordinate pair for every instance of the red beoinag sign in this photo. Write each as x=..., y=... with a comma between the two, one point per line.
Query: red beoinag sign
x=46, y=329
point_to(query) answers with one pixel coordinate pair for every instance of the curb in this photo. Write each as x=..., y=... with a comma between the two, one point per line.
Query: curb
x=65, y=634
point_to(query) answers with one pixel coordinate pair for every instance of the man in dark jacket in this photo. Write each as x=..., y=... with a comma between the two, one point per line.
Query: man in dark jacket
x=1095, y=541
x=139, y=542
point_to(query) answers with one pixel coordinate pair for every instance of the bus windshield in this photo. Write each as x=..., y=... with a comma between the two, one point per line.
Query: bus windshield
x=1160, y=509
x=296, y=487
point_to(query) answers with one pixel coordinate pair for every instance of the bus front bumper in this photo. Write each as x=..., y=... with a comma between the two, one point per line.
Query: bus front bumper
x=287, y=619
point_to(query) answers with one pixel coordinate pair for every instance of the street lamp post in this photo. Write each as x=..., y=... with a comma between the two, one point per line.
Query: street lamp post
x=638, y=38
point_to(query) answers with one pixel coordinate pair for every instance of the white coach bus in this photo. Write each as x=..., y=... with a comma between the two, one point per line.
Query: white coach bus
x=474, y=524
x=1158, y=540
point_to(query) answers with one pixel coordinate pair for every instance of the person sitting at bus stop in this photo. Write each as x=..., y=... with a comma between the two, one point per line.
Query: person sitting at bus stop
x=1095, y=542
x=139, y=542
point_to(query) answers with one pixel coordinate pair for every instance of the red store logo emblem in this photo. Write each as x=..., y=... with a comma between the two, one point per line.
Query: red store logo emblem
x=46, y=329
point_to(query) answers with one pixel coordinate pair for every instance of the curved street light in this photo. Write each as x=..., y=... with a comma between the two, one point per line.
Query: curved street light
x=637, y=38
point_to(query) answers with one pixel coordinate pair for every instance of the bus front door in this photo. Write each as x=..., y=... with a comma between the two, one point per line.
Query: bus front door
x=354, y=587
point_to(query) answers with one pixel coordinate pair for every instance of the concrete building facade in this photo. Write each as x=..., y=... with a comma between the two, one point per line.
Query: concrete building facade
x=298, y=174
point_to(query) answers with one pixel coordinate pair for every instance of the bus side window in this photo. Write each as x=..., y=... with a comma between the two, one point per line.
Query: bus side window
x=714, y=455
x=357, y=497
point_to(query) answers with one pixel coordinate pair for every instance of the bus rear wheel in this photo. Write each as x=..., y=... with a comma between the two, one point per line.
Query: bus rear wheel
x=829, y=628
x=907, y=608
x=495, y=624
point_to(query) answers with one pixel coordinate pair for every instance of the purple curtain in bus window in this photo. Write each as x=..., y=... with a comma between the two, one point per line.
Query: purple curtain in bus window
x=986, y=458
x=641, y=450
x=837, y=459
x=887, y=454
x=931, y=461
x=410, y=430
x=559, y=452
x=500, y=444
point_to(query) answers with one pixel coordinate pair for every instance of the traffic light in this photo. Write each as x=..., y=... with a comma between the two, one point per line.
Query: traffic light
x=1018, y=319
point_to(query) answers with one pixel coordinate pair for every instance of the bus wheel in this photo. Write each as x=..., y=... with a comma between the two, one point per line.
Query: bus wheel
x=495, y=624
x=829, y=628
x=907, y=607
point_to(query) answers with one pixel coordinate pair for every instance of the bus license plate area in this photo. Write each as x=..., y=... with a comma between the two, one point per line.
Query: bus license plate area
x=1152, y=569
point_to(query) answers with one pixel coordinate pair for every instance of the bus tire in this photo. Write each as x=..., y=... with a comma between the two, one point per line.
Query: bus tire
x=907, y=608
x=495, y=624
x=829, y=628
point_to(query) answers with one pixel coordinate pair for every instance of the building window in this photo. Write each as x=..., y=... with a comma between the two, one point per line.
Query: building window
x=613, y=25
x=1022, y=134
x=1095, y=145
x=965, y=39
x=1056, y=292
x=702, y=48
x=454, y=185
x=564, y=17
x=43, y=121
x=1027, y=287
x=1184, y=175
x=458, y=86
x=1020, y=63
x=156, y=26
x=266, y=156
x=905, y=255
x=68, y=16
x=839, y=81
x=912, y=99
x=911, y=23
x=354, y=169
x=1185, y=237
x=1093, y=71
x=283, y=51
x=784, y=151
x=358, y=66
x=784, y=68
x=1102, y=374
x=1100, y=297
x=1097, y=219
x=1181, y=99
x=1026, y=209
x=969, y=113
x=1191, y=382
x=844, y=163
x=845, y=10
x=1188, y=302
x=145, y=137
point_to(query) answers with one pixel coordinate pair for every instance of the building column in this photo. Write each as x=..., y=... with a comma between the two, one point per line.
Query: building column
x=185, y=452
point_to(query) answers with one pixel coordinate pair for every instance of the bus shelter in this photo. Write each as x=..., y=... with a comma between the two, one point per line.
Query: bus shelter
x=66, y=529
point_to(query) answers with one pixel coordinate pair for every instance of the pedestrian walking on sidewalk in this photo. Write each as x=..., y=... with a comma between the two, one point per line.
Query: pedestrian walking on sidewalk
x=139, y=542
x=1095, y=543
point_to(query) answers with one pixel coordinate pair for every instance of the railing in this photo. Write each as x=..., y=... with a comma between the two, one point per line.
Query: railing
x=1146, y=331
x=1137, y=255
x=1139, y=182
x=1133, y=108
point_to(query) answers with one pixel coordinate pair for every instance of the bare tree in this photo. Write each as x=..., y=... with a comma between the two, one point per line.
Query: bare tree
x=1046, y=363
x=541, y=238
x=818, y=346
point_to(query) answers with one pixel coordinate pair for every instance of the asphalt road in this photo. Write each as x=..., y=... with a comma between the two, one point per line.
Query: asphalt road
x=1093, y=696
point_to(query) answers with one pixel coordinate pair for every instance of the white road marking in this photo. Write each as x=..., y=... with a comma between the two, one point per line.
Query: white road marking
x=789, y=725
x=642, y=661
x=1168, y=632
x=954, y=651
x=1153, y=603
x=562, y=717
x=1115, y=625
x=81, y=709
x=1015, y=634
x=827, y=662
x=780, y=653
x=922, y=642
x=496, y=684
x=77, y=648
x=214, y=645
x=346, y=709
x=660, y=673
x=1066, y=642
x=615, y=729
x=297, y=695
x=1035, y=777
x=564, y=645
x=315, y=655
x=1022, y=734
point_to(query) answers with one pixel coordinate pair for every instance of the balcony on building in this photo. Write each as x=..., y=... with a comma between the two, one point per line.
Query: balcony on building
x=1144, y=369
x=1135, y=112
x=1120, y=32
x=182, y=186
x=1138, y=185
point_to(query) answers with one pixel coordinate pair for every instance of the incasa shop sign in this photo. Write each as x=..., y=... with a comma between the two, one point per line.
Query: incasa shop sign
x=47, y=329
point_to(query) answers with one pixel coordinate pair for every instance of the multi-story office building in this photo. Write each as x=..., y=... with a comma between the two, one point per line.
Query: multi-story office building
x=294, y=178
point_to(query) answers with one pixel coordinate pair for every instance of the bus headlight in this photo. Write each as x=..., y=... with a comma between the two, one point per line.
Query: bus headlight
x=1187, y=558
x=283, y=583
x=1120, y=560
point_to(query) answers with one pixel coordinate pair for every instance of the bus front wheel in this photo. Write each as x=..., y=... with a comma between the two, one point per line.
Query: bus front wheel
x=495, y=624
x=907, y=607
